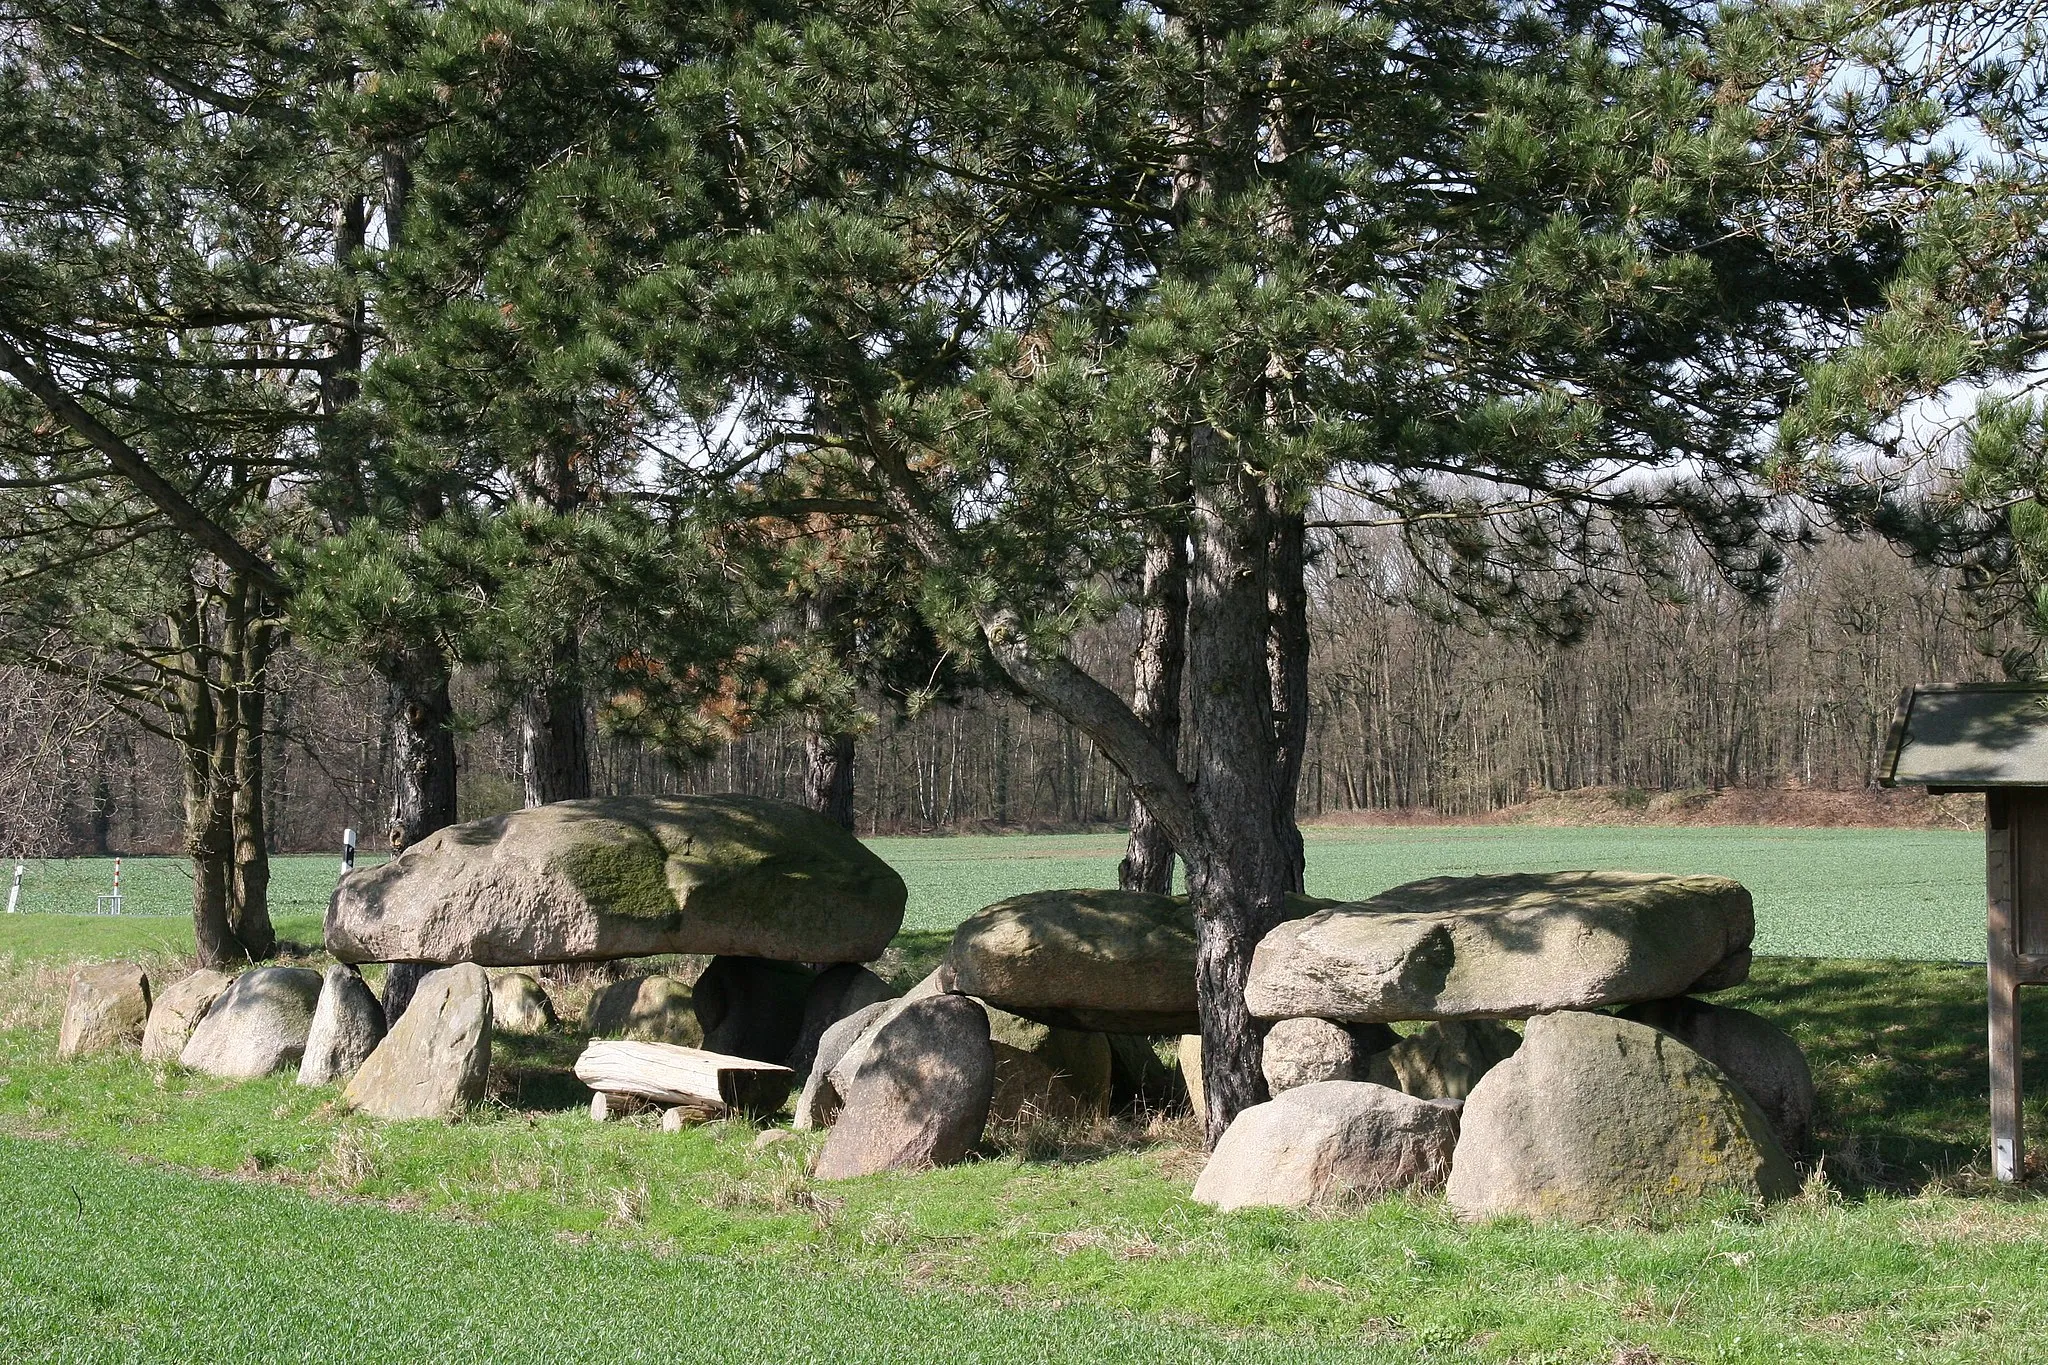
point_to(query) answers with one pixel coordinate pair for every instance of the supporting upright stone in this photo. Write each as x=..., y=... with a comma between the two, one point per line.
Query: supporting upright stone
x=921, y=1094
x=1596, y=1117
x=433, y=1065
x=348, y=1023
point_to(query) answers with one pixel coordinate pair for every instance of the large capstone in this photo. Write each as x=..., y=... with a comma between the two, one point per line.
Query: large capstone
x=624, y=876
x=1329, y=1142
x=434, y=1062
x=1505, y=947
x=1596, y=1117
x=920, y=1096
x=257, y=1026
x=106, y=1008
x=1106, y=961
x=1757, y=1055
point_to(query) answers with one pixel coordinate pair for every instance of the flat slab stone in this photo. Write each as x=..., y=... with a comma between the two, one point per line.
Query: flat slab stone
x=1506, y=947
x=624, y=876
x=1104, y=961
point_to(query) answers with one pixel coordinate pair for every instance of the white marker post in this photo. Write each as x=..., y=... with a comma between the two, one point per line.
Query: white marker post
x=348, y=851
x=110, y=905
x=14, y=892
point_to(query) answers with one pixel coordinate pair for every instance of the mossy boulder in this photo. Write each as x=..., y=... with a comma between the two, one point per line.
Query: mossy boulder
x=624, y=876
x=1505, y=946
x=1596, y=1118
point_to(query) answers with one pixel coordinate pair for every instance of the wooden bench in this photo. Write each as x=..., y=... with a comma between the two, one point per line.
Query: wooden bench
x=692, y=1084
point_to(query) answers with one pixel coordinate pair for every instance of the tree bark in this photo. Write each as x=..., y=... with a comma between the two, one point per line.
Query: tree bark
x=421, y=721
x=554, y=734
x=247, y=653
x=209, y=802
x=1156, y=668
x=828, y=776
x=828, y=754
x=1287, y=644
x=1240, y=869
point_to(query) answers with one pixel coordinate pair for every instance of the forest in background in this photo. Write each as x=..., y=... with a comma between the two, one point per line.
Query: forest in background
x=1418, y=714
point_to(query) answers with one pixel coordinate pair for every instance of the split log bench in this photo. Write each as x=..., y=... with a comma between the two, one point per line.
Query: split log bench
x=692, y=1084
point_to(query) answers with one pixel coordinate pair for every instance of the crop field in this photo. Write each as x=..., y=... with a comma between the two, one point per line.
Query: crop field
x=1819, y=892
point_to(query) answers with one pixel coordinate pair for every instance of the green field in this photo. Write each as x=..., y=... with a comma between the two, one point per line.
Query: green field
x=1819, y=893
x=152, y=1214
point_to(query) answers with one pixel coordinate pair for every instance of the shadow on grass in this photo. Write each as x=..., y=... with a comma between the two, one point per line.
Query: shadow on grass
x=1899, y=1059
x=537, y=1071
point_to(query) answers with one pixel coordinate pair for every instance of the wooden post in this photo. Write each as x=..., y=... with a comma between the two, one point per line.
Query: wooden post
x=2004, y=848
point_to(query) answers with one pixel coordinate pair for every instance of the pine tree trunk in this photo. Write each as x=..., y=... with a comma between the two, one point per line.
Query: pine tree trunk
x=1287, y=642
x=420, y=718
x=206, y=745
x=554, y=735
x=828, y=776
x=247, y=647
x=1156, y=668
x=828, y=755
x=1241, y=869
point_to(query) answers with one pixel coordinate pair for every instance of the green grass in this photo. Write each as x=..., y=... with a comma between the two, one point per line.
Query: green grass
x=102, y=1261
x=1901, y=1253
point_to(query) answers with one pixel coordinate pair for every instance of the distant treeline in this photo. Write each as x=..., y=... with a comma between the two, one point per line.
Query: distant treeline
x=1413, y=711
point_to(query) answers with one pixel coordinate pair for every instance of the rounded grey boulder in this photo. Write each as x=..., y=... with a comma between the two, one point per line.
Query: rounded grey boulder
x=178, y=1011
x=624, y=876
x=1329, y=1142
x=648, y=1009
x=1757, y=1055
x=348, y=1023
x=1596, y=1117
x=1445, y=1060
x=257, y=1026
x=1505, y=947
x=1299, y=1052
x=520, y=1005
x=920, y=1096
